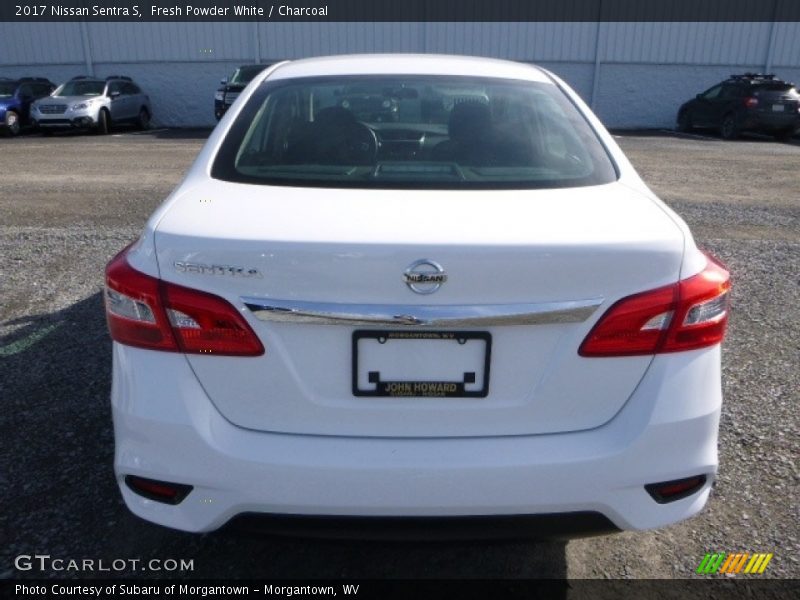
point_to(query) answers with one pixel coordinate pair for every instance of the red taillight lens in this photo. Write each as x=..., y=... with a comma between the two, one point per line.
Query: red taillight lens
x=751, y=102
x=207, y=324
x=146, y=312
x=133, y=308
x=690, y=314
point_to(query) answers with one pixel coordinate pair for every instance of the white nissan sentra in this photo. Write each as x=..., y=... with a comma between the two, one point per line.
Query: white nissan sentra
x=403, y=294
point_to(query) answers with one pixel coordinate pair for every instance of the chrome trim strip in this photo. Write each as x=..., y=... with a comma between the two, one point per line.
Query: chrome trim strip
x=476, y=315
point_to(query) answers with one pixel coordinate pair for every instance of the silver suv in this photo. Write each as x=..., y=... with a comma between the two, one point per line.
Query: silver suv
x=96, y=104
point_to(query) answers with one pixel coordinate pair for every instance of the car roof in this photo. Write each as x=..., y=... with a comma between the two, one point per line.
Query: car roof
x=757, y=79
x=25, y=80
x=86, y=78
x=409, y=64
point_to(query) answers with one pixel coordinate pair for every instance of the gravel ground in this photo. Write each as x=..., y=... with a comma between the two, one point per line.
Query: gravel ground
x=70, y=202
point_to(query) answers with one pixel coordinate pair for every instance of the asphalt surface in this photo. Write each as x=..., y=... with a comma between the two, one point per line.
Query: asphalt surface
x=70, y=202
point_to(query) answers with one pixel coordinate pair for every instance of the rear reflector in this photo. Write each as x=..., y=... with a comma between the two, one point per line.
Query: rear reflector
x=690, y=314
x=669, y=491
x=160, y=491
x=147, y=312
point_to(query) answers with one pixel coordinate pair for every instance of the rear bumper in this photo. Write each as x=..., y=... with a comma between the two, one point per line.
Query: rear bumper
x=549, y=526
x=167, y=429
x=771, y=122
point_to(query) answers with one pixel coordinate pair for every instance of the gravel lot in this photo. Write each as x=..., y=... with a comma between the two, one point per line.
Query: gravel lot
x=70, y=202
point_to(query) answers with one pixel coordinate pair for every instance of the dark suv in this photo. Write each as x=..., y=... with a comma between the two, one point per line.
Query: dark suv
x=231, y=88
x=749, y=102
x=16, y=97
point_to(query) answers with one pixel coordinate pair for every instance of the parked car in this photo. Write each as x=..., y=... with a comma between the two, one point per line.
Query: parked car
x=474, y=316
x=16, y=97
x=231, y=88
x=95, y=104
x=748, y=102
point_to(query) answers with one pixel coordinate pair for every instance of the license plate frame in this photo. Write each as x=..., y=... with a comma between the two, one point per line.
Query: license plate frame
x=778, y=108
x=421, y=388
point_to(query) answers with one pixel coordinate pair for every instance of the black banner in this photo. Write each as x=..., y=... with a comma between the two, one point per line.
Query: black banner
x=681, y=589
x=399, y=10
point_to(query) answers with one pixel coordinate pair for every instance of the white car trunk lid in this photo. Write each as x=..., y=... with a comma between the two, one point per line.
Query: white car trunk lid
x=562, y=256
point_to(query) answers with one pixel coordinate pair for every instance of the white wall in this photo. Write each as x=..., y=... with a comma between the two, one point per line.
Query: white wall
x=634, y=74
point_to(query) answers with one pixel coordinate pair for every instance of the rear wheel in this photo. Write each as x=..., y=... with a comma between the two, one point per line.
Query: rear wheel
x=785, y=135
x=143, y=121
x=11, y=122
x=685, y=122
x=729, y=129
x=103, y=123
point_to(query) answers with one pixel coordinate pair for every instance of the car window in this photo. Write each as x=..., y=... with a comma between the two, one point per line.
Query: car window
x=81, y=88
x=245, y=74
x=730, y=91
x=25, y=90
x=712, y=93
x=774, y=86
x=42, y=89
x=115, y=87
x=414, y=132
x=130, y=89
x=7, y=89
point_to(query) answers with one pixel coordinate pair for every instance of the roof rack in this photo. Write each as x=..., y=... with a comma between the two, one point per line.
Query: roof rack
x=122, y=77
x=754, y=76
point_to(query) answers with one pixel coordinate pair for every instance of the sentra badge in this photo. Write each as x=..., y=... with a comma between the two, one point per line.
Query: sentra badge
x=223, y=270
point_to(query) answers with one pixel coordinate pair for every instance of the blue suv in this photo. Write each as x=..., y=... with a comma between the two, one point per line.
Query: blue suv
x=16, y=97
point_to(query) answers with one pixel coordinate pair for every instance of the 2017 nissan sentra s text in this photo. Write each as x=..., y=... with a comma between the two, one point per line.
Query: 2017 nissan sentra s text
x=415, y=291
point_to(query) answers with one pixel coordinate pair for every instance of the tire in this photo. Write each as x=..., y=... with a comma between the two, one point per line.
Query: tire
x=729, y=129
x=11, y=123
x=143, y=121
x=103, y=123
x=685, y=122
x=786, y=135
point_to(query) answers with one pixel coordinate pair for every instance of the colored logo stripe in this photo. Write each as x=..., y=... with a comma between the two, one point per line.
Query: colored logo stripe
x=735, y=562
x=711, y=563
x=758, y=563
x=721, y=562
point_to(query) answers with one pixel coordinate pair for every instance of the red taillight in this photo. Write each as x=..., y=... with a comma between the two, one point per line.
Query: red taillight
x=690, y=314
x=146, y=312
x=750, y=102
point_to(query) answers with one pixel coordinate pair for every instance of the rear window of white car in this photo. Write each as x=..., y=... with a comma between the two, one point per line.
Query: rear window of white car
x=412, y=132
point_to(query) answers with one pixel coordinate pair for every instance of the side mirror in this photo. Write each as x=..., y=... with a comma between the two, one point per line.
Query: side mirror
x=223, y=81
x=114, y=95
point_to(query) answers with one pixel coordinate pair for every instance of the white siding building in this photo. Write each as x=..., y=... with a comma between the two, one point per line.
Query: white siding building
x=633, y=74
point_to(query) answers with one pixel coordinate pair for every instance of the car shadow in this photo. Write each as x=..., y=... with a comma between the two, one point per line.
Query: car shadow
x=60, y=496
